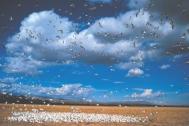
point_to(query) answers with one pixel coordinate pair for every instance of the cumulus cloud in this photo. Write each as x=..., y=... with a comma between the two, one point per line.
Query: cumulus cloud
x=8, y=80
x=164, y=66
x=176, y=9
x=46, y=38
x=74, y=89
x=23, y=65
x=176, y=13
x=135, y=72
x=100, y=1
x=65, y=91
x=118, y=82
x=147, y=93
x=135, y=4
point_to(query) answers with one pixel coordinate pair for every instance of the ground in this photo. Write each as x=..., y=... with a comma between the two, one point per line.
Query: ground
x=157, y=116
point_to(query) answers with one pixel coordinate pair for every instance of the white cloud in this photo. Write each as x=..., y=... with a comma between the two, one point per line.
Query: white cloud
x=164, y=66
x=118, y=82
x=74, y=89
x=65, y=91
x=23, y=65
x=128, y=65
x=135, y=4
x=147, y=93
x=135, y=72
x=130, y=26
x=168, y=7
x=8, y=80
x=100, y=1
x=45, y=38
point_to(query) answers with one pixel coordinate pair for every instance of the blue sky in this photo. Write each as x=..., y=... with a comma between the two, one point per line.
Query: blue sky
x=135, y=52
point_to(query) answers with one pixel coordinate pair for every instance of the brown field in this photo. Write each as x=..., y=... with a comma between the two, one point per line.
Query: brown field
x=158, y=116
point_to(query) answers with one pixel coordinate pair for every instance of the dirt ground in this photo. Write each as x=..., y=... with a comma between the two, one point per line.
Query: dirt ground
x=158, y=116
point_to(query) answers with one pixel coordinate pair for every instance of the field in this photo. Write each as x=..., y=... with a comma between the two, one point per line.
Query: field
x=153, y=116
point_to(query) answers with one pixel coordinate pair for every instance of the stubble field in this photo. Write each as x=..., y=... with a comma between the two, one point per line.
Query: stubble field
x=66, y=115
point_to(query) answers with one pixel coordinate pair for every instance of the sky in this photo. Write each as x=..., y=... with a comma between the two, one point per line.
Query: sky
x=96, y=50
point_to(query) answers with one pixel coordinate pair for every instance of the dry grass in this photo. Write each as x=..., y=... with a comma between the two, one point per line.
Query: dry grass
x=158, y=116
